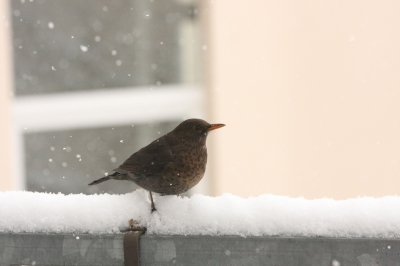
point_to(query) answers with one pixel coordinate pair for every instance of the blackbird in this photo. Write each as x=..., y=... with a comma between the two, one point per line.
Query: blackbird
x=170, y=165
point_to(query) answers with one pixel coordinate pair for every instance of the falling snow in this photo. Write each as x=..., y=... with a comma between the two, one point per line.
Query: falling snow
x=84, y=48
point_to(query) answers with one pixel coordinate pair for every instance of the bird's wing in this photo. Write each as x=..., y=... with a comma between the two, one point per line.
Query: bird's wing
x=149, y=160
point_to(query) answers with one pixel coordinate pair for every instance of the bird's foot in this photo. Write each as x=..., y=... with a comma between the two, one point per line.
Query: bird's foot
x=153, y=206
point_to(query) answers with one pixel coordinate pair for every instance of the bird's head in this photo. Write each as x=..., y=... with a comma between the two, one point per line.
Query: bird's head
x=195, y=129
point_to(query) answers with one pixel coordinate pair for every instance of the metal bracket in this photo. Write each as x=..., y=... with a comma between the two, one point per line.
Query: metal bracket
x=131, y=245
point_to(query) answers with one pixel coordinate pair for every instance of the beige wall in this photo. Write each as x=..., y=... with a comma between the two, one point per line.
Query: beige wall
x=6, y=181
x=310, y=93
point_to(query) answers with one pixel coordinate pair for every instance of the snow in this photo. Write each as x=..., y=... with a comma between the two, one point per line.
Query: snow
x=265, y=215
x=84, y=48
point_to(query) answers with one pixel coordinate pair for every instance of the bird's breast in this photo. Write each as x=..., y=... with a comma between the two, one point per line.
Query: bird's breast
x=186, y=171
x=192, y=161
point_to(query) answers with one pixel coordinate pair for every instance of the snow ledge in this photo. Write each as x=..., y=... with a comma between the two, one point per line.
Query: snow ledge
x=265, y=215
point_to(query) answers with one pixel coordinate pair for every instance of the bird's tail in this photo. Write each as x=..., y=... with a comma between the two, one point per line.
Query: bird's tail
x=115, y=176
x=100, y=180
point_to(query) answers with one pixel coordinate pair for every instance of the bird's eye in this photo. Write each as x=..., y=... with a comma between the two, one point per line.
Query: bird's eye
x=197, y=128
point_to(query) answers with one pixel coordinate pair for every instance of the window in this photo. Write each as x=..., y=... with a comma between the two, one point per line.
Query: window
x=96, y=80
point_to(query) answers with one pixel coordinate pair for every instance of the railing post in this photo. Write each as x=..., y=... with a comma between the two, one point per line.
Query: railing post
x=131, y=246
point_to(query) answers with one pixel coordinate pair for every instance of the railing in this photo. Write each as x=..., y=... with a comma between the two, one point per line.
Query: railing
x=200, y=230
x=87, y=249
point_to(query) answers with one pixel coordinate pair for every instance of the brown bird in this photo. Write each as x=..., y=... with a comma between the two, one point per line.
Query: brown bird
x=170, y=165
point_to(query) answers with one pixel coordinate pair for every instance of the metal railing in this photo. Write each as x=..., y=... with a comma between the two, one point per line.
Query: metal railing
x=69, y=249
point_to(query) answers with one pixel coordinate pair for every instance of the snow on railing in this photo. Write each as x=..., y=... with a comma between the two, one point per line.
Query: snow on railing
x=265, y=215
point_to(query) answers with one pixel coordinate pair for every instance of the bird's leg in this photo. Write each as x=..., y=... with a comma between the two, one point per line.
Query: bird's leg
x=153, y=207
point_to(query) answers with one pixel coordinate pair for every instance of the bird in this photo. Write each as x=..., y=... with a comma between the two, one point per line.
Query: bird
x=171, y=164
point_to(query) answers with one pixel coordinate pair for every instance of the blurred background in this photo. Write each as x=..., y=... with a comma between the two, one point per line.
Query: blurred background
x=310, y=92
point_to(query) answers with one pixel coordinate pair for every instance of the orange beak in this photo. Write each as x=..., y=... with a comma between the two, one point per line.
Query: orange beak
x=215, y=126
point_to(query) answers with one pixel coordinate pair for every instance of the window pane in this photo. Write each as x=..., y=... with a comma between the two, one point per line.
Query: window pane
x=82, y=45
